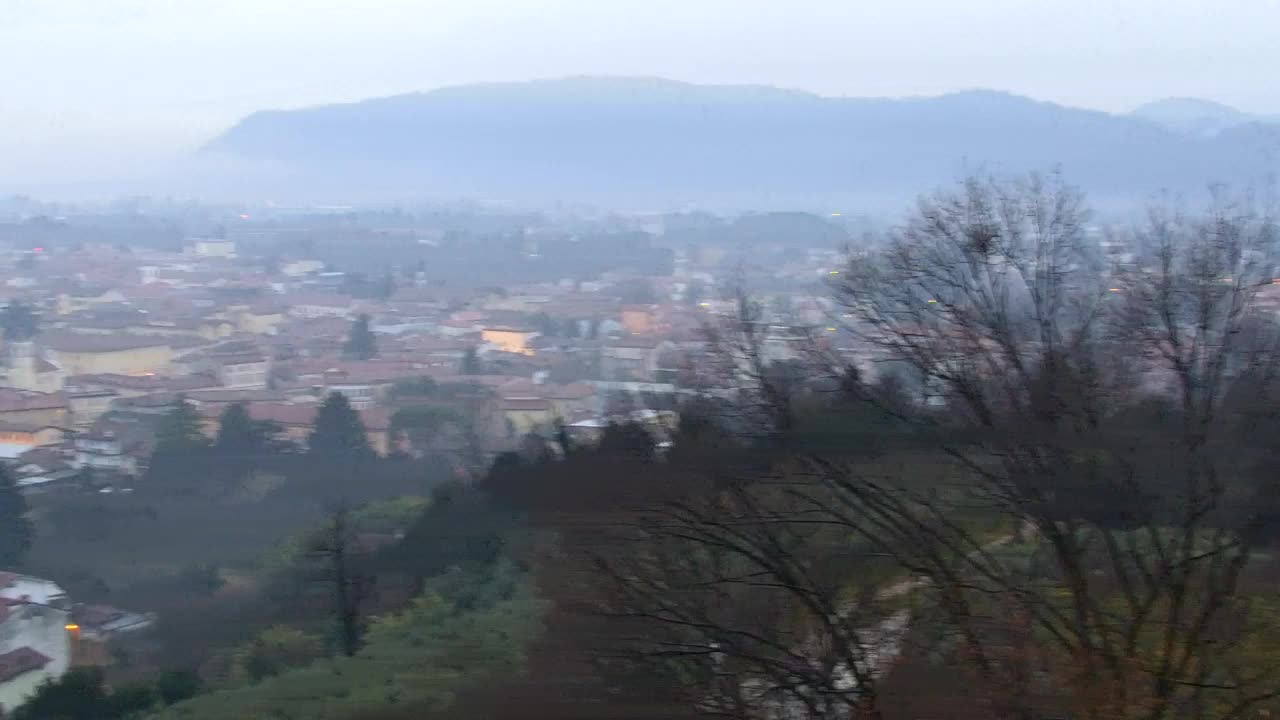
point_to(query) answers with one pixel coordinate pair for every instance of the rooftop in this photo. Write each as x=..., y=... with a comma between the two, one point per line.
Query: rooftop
x=83, y=343
x=21, y=661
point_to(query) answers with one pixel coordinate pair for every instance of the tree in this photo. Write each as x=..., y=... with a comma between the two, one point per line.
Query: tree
x=361, y=343
x=471, y=362
x=77, y=695
x=15, y=526
x=19, y=322
x=240, y=436
x=338, y=432
x=174, y=686
x=1043, y=361
x=347, y=586
x=275, y=650
x=180, y=430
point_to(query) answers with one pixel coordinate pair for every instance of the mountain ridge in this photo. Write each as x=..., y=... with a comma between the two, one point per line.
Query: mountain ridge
x=598, y=138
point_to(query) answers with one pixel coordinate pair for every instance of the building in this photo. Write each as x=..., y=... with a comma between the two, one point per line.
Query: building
x=509, y=339
x=36, y=639
x=29, y=371
x=320, y=305
x=85, y=298
x=86, y=405
x=213, y=248
x=237, y=364
x=259, y=319
x=17, y=438
x=298, y=268
x=32, y=408
x=81, y=354
x=639, y=319
x=103, y=452
x=524, y=415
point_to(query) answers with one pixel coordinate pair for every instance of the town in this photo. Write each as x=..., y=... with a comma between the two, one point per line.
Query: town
x=103, y=340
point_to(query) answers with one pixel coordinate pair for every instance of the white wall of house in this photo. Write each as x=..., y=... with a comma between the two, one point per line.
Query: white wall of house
x=43, y=629
x=32, y=589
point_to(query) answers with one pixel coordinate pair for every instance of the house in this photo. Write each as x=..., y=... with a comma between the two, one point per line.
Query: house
x=79, y=354
x=39, y=469
x=29, y=371
x=570, y=400
x=86, y=405
x=509, y=339
x=523, y=415
x=25, y=407
x=630, y=358
x=236, y=364
x=297, y=268
x=322, y=305
x=17, y=438
x=262, y=318
x=85, y=298
x=365, y=382
x=128, y=386
x=35, y=636
x=213, y=248
x=103, y=622
x=97, y=626
x=103, y=452
x=639, y=319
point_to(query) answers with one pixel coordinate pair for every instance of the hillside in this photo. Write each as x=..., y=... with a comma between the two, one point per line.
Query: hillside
x=1197, y=117
x=640, y=141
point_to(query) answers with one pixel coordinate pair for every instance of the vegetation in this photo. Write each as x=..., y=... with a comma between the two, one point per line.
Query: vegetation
x=19, y=322
x=81, y=694
x=338, y=433
x=361, y=344
x=15, y=526
x=461, y=628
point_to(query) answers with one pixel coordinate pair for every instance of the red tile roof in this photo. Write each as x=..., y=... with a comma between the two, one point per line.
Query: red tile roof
x=21, y=661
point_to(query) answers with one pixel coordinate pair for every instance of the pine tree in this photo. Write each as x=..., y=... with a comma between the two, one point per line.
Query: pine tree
x=471, y=362
x=237, y=433
x=15, y=527
x=338, y=432
x=179, y=431
x=19, y=322
x=361, y=343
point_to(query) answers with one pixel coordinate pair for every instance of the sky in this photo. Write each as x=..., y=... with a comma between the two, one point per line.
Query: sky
x=104, y=88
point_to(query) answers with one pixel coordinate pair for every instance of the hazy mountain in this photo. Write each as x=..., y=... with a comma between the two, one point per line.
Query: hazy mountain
x=640, y=142
x=1196, y=117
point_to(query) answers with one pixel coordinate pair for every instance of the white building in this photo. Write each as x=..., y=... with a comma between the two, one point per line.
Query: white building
x=35, y=641
x=213, y=248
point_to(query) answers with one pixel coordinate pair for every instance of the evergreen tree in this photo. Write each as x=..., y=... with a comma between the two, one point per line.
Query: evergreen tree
x=238, y=435
x=15, y=527
x=386, y=287
x=338, y=432
x=19, y=322
x=471, y=362
x=179, y=431
x=361, y=343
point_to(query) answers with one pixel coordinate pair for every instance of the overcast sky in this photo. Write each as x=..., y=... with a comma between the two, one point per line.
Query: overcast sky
x=107, y=84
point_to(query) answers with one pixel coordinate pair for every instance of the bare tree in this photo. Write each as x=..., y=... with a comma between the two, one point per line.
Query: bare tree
x=347, y=585
x=710, y=574
x=1095, y=411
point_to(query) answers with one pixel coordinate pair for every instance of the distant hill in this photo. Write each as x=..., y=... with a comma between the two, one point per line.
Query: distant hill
x=644, y=142
x=1197, y=117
